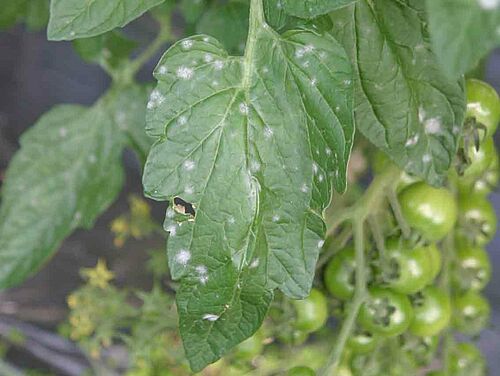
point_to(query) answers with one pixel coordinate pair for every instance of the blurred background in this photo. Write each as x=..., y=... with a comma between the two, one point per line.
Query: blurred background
x=34, y=76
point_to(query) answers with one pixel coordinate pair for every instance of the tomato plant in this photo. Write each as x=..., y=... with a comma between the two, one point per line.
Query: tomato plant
x=280, y=258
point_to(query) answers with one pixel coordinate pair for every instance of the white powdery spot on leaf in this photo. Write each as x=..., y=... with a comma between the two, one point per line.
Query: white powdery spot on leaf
x=427, y=158
x=201, y=269
x=304, y=188
x=300, y=52
x=163, y=70
x=254, y=166
x=488, y=4
x=313, y=81
x=155, y=99
x=188, y=189
x=320, y=177
x=320, y=243
x=276, y=218
x=218, y=64
x=315, y=168
x=243, y=108
x=187, y=44
x=63, y=132
x=421, y=114
x=189, y=165
x=170, y=213
x=210, y=317
x=185, y=73
x=172, y=229
x=268, y=132
x=412, y=141
x=182, y=120
x=254, y=263
x=432, y=126
x=207, y=58
x=183, y=257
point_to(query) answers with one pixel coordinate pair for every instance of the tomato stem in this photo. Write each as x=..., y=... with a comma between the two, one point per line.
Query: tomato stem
x=164, y=35
x=369, y=204
x=396, y=208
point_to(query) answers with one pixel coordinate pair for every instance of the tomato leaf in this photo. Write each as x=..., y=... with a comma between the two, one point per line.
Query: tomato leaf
x=247, y=151
x=37, y=14
x=228, y=23
x=71, y=19
x=67, y=172
x=192, y=9
x=11, y=12
x=463, y=32
x=311, y=8
x=108, y=49
x=404, y=103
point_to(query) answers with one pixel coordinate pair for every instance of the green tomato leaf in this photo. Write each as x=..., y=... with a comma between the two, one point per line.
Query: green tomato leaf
x=280, y=21
x=463, y=32
x=247, y=151
x=311, y=8
x=109, y=49
x=37, y=14
x=192, y=9
x=11, y=12
x=404, y=103
x=129, y=114
x=228, y=23
x=67, y=172
x=71, y=19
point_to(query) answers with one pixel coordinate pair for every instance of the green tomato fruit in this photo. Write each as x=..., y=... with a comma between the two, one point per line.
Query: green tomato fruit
x=340, y=274
x=408, y=269
x=480, y=159
x=471, y=313
x=471, y=268
x=477, y=219
x=249, y=348
x=483, y=104
x=432, y=312
x=465, y=359
x=386, y=313
x=312, y=312
x=362, y=342
x=436, y=260
x=431, y=211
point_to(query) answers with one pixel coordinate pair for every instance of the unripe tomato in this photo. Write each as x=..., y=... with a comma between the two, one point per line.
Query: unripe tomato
x=340, y=274
x=471, y=313
x=386, y=312
x=301, y=371
x=249, y=348
x=480, y=159
x=381, y=162
x=362, y=342
x=471, y=268
x=409, y=269
x=432, y=312
x=312, y=312
x=477, y=219
x=431, y=211
x=436, y=260
x=483, y=104
x=466, y=360
x=293, y=337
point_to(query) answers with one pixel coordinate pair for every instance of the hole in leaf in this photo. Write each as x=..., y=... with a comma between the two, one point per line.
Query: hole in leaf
x=183, y=207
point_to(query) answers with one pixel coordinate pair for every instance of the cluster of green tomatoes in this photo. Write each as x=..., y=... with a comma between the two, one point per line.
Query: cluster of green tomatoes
x=423, y=286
